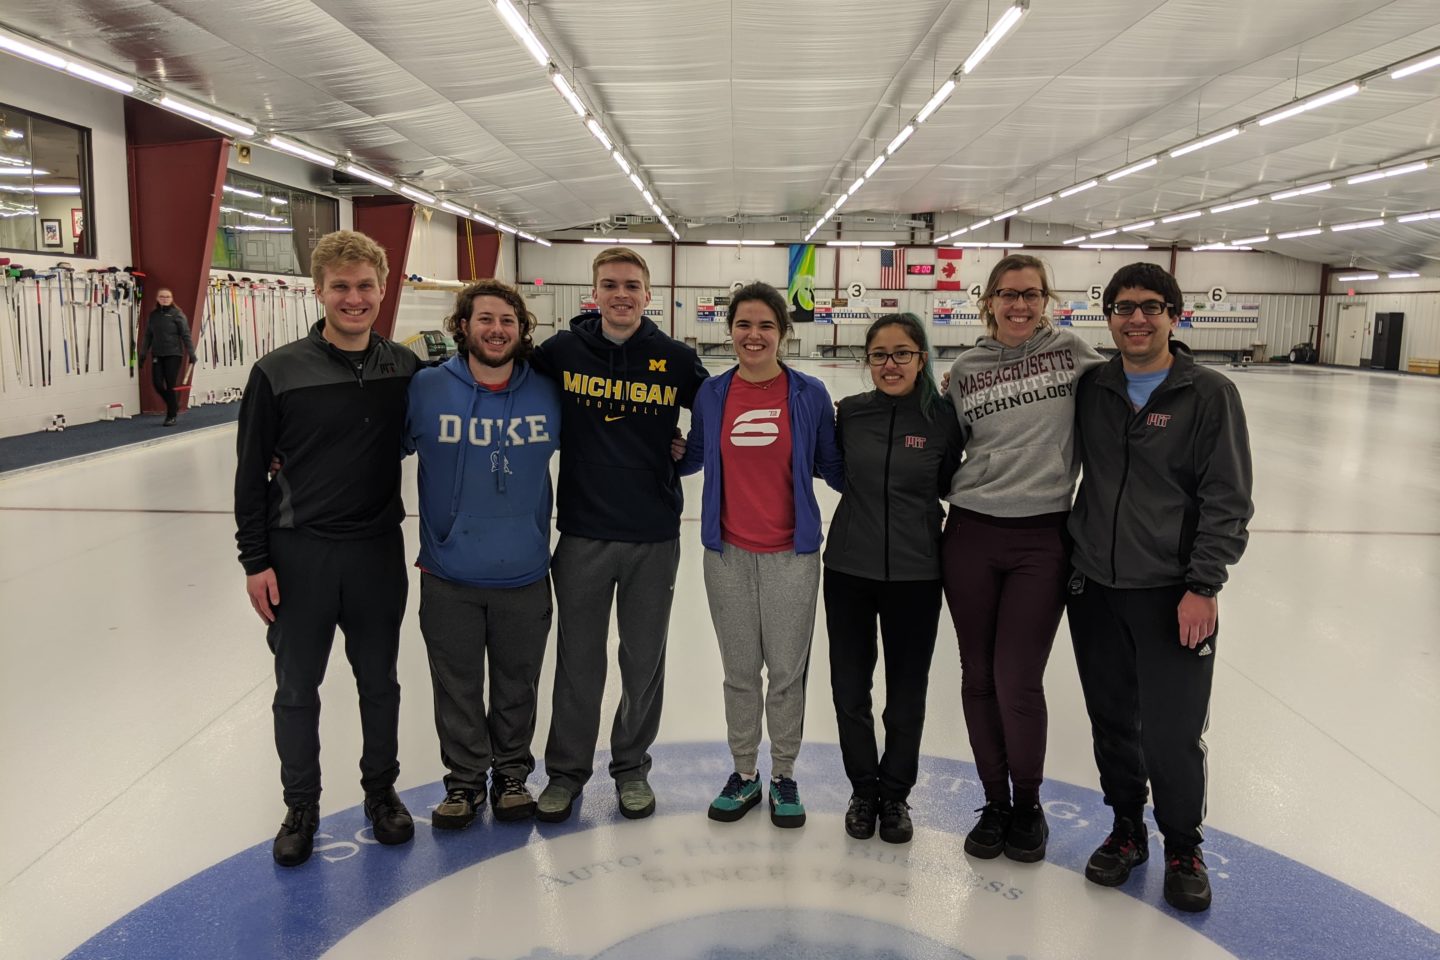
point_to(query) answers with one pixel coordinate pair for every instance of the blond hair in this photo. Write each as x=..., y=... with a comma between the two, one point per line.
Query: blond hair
x=1015, y=261
x=618, y=255
x=344, y=247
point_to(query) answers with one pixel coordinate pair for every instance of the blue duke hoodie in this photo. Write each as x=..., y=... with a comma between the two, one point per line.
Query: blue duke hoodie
x=485, y=496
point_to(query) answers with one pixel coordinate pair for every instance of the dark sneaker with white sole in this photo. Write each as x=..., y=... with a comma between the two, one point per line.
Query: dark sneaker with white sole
x=786, y=810
x=736, y=799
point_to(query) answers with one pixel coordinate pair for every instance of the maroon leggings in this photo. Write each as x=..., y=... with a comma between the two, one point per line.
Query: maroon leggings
x=1004, y=584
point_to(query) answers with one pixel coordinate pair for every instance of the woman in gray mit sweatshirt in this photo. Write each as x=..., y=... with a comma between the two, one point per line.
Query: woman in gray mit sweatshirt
x=1004, y=555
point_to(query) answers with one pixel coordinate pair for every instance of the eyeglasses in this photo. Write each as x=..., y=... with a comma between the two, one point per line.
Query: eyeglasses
x=1031, y=296
x=1151, y=308
x=901, y=357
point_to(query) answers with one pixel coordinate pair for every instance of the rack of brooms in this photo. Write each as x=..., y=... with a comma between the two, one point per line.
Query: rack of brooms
x=60, y=323
x=245, y=319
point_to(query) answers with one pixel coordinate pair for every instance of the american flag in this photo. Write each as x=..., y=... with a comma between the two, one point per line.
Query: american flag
x=892, y=269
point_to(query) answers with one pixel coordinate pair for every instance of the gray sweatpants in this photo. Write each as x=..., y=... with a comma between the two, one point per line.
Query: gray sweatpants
x=640, y=579
x=463, y=626
x=763, y=608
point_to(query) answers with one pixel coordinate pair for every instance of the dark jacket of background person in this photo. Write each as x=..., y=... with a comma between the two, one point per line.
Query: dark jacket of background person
x=167, y=334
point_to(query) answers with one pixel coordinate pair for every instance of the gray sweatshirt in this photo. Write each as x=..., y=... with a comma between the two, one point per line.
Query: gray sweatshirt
x=1017, y=409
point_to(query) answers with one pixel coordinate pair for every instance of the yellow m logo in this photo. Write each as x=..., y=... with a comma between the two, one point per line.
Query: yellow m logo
x=658, y=365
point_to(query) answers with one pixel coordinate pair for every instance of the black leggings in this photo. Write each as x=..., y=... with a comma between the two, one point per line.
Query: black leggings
x=165, y=374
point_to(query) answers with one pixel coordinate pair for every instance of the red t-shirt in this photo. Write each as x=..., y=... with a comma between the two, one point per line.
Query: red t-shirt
x=757, y=500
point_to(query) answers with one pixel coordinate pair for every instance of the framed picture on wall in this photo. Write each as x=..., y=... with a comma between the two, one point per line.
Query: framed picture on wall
x=50, y=233
x=77, y=222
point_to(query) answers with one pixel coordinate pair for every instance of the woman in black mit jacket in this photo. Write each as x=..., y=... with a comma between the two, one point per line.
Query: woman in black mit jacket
x=902, y=445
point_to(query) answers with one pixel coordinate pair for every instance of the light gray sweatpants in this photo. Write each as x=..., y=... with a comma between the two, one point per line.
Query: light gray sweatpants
x=763, y=608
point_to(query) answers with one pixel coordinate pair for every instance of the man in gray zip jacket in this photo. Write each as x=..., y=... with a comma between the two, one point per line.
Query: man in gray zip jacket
x=1160, y=517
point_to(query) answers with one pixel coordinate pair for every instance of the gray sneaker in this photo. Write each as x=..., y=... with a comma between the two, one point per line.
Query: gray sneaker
x=509, y=798
x=555, y=804
x=637, y=800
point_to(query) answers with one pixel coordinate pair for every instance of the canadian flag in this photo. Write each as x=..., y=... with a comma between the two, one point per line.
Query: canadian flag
x=949, y=273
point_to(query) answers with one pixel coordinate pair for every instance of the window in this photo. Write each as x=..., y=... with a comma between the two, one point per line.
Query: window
x=269, y=228
x=44, y=185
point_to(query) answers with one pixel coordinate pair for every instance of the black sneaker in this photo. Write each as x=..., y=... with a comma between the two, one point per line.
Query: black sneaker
x=1025, y=840
x=1126, y=848
x=169, y=422
x=860, y=817
x=389, y=817
x=457, y=810
x=509, y=798
x=986, y=839
x=297, y=835
x=1187, y=884
x=895, y=826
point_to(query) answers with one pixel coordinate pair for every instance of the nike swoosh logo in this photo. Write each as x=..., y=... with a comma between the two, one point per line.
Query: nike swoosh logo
x=613, y=419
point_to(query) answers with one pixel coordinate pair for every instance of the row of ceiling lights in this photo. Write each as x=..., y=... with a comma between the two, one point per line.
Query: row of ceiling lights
x=37, y=52
x=1007, y=22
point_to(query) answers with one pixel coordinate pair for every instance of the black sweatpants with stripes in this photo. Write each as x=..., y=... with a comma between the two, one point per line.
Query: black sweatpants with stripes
x=1148, y=697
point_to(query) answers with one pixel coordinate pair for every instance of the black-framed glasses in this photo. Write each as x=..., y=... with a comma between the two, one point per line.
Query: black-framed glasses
x=1151, y=308
x=901, y=357
x=1031, y=296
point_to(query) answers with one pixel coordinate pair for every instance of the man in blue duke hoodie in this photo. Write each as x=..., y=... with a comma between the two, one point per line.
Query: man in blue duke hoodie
x=485, y=425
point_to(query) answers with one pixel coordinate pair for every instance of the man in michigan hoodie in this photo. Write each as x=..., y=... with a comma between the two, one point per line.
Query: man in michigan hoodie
x=485, y=425
x=623, y=382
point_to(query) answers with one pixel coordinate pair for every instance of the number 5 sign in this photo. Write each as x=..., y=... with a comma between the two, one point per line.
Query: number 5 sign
x=1096, y=292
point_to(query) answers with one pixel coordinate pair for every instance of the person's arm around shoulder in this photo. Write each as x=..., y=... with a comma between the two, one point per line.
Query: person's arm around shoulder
x=954, y=439
x=693, y=459
x=829, y=461
x=255, y=446
x=695, y=379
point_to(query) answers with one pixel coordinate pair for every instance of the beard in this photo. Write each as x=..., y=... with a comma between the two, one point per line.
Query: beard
x=476, y=349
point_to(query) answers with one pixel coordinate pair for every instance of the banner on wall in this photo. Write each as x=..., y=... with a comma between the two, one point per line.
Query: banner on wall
x=588, y=305
x=712, y=309
x=948, y=275
x=945, y=312
x=844, y=310
x=801, y=293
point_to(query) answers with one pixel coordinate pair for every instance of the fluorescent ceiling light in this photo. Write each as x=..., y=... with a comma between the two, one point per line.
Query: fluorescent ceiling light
x=522, y=31
x=842, y=243
x=1209, y=141
x=900, y=138
x=481, y=218
x=1348, y=277
x=1071, y=191
x=1036, y=203
x=303, y=152
x=1416, y=67
x=543, y=242
x=1133, y=168
x=722, y=243
x=874, y=165
x=598, y=132
x=1262, y=238
x=841, y=202
x=1006, y=215
x=859, y=182
x=980, y=223
x=208, y=116
x=415, y=194
x=454, y=208
x=1075, y=239
x=242, y=192
x=1417, y=217
x=66, y=191
x=101, y=77
x=936, y=99
x=1139, y=226
x=1005, y=245
x=568, y=92
x=635, y=179
x=1237, y=205
x=1114, y=246
x=757, y=243
x=1103, y=233
x=1358, y=225
x=370, y=175
x=942, y=238
x=1390, y=172
x=960, y=231
x=828, y=214
x=507, y=228
x=649, y=197
x=21, y=172
x=1301, y=191
x=1212, y=247
x=1004, y=25
x=1403, y=275
x=1294, y=234
x=1177, y=217
x=278, y=201
x=621, y=162
x=1317, y=101
x=21, y=48
x=877, y=243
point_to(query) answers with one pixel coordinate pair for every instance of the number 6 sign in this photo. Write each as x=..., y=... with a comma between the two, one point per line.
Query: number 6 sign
x=1217, y=294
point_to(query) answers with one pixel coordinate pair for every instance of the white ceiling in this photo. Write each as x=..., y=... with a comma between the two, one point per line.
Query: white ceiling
x=757, y=108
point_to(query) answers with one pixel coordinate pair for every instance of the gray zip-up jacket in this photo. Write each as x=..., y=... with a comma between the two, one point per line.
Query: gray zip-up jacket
x=1017, y=408
x=898, y=465
x=1166, y=494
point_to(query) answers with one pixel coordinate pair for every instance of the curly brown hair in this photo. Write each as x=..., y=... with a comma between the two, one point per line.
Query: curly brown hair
x=465, y=307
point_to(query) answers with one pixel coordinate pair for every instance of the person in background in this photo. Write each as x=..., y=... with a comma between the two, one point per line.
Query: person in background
x=485, y=426
x=320, y=539
x=1161, y=516
x=1004, y=555
x=761, y=431
x=166, y=341
x=901, y=444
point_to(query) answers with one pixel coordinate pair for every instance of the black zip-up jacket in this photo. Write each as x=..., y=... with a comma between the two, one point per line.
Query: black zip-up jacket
x=619, y=408
x=167, y=334
x=1165, y=491
x=898, y=466
x=337, y=432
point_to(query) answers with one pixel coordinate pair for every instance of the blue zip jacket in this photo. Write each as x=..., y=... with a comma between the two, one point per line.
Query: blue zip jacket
x=814, y=452
x=485, y=495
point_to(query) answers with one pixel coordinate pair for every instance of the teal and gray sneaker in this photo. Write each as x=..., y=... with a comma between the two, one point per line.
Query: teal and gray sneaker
x=786, y=810
x=736, y=799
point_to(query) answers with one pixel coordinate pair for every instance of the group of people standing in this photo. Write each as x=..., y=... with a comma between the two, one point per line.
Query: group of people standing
x=1160, y=516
